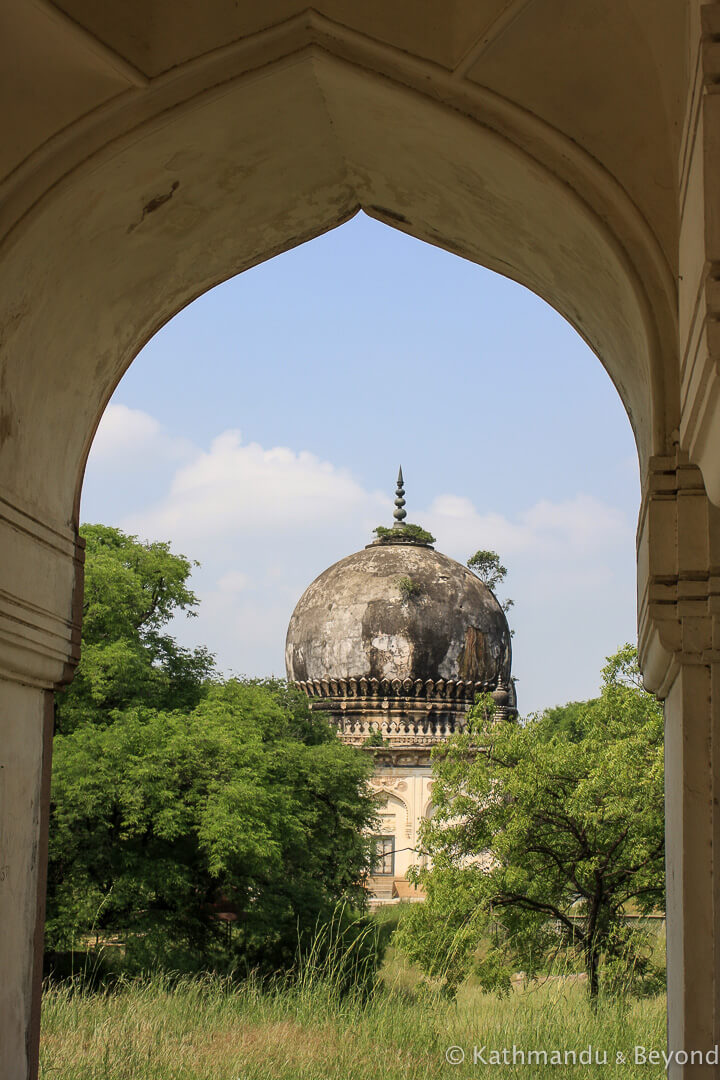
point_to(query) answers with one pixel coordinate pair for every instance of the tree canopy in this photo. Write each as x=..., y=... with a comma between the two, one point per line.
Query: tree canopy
x=182, y=804
x=132, y=590
x=545, y=834
x=247, y=805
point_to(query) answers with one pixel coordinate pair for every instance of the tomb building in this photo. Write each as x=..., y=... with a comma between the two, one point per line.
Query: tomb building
x=394, y=642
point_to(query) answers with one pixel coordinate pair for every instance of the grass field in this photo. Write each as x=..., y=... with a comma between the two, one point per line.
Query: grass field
x=210, y=1029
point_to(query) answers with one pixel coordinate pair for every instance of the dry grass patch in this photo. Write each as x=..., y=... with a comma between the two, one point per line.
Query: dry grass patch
x=208, y=1029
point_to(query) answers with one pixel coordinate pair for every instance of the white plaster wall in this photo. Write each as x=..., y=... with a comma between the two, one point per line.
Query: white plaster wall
x=408, y=793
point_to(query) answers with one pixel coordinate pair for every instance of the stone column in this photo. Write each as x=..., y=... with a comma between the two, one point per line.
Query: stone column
x=699, y=248
x=26, y=715
x=679, y=571
x=40, y=594
x=679, y=610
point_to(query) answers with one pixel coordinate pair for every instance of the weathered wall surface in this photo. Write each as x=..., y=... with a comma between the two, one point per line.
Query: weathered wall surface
x=356, y=621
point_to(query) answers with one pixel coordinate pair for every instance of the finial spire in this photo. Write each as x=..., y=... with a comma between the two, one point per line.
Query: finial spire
x=399, y=513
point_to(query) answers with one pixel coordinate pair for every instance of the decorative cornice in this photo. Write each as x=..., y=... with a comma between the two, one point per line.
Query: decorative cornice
x=411, y=756
x=678, y=572
x=365, y=691
x=407, y=714
x=398, y=739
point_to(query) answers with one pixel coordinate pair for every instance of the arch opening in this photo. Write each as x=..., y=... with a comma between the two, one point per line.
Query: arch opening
x=243, y=282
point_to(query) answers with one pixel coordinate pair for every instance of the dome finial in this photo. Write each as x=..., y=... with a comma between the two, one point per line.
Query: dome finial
x=399, y=513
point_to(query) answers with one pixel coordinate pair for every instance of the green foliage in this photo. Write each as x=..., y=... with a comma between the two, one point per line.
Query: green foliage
x=405, y=532
x=248, y=804
x=375, y=738
x=487, y=566
x=568, y=721
x=176, y=797
x=542, y=836
x=630, y=963
x=409, y=588
x=622, y=669
x=132, y=590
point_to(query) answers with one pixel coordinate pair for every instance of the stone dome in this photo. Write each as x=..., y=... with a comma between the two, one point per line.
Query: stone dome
x=398, y=611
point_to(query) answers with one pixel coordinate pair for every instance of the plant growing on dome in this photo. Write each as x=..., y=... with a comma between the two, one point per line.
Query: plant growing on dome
x=487, y=566
x=409, y=588
x=413, y=533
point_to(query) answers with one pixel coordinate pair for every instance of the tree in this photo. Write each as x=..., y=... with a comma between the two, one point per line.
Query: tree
x=177, y=797
x=543, y=834
x=132, y=590
x=248, y=805
x=487, y=566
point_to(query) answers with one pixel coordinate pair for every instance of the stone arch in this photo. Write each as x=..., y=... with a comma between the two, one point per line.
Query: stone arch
x=230, y=177
x=125, y=211
x=393, y=799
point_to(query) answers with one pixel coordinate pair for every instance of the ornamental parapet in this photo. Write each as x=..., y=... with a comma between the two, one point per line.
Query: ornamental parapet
x=406, y=732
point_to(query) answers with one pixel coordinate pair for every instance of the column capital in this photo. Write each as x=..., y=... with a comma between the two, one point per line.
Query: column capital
x=678, y=546
x=41, y=580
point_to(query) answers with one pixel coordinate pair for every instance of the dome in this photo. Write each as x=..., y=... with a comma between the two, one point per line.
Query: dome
x=398, y=611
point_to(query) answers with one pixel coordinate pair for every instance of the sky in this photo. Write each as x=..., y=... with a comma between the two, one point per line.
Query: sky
x=260, y=432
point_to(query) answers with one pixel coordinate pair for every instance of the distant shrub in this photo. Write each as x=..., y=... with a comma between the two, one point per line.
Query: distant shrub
x=375, y=739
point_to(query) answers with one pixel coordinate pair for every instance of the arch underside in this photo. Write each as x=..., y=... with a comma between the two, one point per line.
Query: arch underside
x=227, y=179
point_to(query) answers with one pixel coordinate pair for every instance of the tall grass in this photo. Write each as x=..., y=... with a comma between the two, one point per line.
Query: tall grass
x=306, y=1028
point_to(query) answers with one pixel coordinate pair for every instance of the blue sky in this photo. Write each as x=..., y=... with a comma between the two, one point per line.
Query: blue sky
x=261, y=429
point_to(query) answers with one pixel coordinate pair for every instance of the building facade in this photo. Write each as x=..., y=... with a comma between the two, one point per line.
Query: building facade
x=394, y=643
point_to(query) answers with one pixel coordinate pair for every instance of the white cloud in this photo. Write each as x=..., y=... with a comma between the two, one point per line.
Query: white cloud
x=243, y=488
x=578, y=525
x=126, y=436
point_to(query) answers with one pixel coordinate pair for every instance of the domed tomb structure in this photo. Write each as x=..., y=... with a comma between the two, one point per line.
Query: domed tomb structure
x=395, y=642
